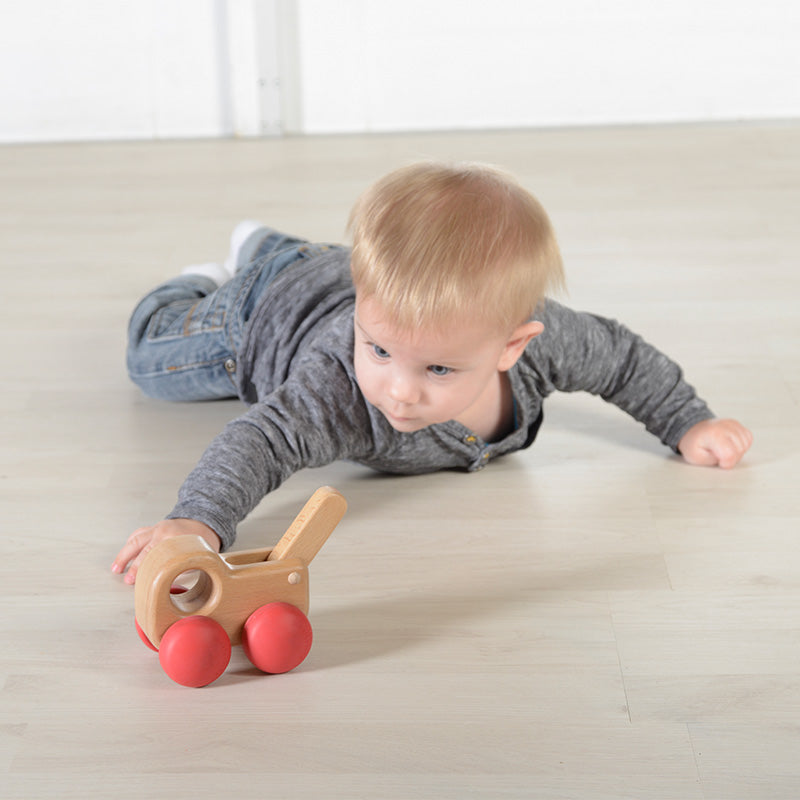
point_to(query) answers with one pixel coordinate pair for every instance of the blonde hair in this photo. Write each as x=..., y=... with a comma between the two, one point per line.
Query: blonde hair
x=434, y=244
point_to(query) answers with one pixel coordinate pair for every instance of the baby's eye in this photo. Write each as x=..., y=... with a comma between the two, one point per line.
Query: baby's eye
x=379, y=351
x=438, y=369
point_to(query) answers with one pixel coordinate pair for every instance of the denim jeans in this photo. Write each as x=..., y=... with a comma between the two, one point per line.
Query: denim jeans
x=184, y=336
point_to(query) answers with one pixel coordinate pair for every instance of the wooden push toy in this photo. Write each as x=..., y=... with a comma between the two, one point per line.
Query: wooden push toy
x=256, y=598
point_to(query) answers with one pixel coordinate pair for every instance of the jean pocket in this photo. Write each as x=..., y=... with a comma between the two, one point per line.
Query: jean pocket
x=185, y=318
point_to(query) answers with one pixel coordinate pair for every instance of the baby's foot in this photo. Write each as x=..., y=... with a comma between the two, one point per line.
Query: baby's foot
x=216, y=272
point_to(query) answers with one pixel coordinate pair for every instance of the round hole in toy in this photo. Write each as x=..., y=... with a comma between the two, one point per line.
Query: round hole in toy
x=277, y=637
x=195, y=651
x=191, y=590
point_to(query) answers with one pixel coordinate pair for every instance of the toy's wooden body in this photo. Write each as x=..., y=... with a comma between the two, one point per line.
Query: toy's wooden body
x=229, y=588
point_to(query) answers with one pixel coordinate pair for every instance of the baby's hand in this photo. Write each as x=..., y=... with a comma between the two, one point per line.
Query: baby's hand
x=715, y=442
x=142, y=541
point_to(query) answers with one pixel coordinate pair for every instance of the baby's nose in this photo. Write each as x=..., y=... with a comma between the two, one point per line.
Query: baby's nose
x=403, y=390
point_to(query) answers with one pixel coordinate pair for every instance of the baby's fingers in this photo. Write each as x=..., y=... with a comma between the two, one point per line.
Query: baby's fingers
x=732, y=446
x=716, y=441
x=728, y=454
x=132, y=553
x=702, y=457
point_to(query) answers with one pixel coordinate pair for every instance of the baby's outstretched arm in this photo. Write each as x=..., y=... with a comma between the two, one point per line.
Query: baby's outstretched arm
x=142, y=541
x=715, y=442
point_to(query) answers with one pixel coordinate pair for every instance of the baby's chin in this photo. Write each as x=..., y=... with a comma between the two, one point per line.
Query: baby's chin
x=405, y=424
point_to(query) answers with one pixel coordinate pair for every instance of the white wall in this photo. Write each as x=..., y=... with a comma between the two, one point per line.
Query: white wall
x=433, y=64
x=88, y=69
x=109, y=69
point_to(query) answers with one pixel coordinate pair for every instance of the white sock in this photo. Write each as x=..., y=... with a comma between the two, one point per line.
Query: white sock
x=241, y=233
x=216, y=272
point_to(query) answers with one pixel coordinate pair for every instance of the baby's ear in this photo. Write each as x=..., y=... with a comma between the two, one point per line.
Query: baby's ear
x=516, y=344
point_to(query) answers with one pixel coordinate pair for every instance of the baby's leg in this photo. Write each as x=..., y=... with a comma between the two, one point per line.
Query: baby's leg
x=182, y=335
x=178, y=342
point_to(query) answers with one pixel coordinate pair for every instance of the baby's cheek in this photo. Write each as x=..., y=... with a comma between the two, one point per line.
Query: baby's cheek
x=365, y=384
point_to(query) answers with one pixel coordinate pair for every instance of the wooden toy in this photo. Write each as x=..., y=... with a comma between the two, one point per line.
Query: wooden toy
x=193, y=603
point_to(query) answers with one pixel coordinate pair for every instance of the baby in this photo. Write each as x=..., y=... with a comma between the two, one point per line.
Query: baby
x=429, y=345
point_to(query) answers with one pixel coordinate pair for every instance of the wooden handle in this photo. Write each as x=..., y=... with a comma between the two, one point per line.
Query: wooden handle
x=311, y=527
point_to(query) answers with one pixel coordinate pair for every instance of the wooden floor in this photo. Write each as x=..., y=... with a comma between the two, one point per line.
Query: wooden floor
x=588, y=619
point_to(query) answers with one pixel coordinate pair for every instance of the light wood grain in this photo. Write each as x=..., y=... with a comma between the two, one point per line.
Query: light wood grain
x=311, y=528
x=588, y=619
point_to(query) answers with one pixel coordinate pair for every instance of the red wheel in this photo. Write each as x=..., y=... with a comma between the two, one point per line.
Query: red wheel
x=195, y=651
x=277, y=637
x=143, y=637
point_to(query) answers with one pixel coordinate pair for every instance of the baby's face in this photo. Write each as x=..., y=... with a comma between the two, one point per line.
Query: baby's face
x=423, y=377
